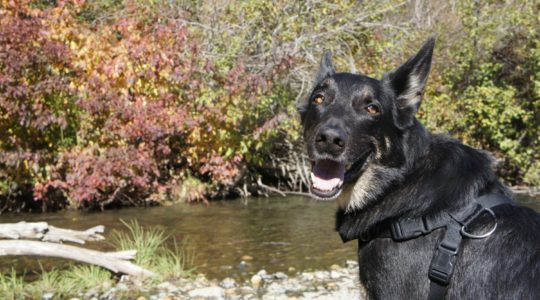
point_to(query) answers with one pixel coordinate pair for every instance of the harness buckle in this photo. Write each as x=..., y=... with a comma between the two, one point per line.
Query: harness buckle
x=406, y=229
x=442, y=264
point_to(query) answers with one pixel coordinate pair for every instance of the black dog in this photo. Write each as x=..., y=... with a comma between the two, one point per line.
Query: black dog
x=423, y=206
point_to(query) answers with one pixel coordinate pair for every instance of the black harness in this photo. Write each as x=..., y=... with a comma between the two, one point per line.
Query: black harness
x=447, y=250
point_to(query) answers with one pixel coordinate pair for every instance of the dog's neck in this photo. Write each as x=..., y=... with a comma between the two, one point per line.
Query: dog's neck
x=388, y=165
x=419, y=183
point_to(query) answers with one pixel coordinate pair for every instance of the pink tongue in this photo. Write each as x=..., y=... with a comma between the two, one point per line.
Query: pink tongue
x=327, y=175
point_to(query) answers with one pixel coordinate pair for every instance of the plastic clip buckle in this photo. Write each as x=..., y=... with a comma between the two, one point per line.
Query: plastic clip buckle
x=407, y=229
x=442, y=265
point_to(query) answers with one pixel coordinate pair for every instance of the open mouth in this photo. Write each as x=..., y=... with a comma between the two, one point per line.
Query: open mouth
x=328, y=176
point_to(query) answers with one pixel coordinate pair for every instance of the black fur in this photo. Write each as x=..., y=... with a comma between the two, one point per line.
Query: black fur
x=399, y=169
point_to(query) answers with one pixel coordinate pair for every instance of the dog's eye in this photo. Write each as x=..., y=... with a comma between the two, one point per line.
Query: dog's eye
x=319, y=99
x=372, y=109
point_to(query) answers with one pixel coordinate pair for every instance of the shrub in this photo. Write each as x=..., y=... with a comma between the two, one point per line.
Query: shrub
x=132, y=108
x=38, y=116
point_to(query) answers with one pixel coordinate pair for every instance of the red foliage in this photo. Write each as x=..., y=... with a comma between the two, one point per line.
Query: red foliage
x=123, y=111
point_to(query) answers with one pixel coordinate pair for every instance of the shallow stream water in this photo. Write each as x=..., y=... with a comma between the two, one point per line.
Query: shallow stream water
x=233, y=238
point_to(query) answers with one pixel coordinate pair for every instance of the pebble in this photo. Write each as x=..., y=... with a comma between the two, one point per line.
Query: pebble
x=47, y=296
x=246, y=290
x=208, y=292
x=243, y=265
x=321, y=274
x=308, y=276
x=336, y=283
x=351, y=264
x=256, y=281
x=227, y=283
x=334, y=274
x=166, y=286
x=332, y=285
x=230, y=292
x=280, y=276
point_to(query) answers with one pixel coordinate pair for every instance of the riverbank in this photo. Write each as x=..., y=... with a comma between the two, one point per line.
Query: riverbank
x=338, y=282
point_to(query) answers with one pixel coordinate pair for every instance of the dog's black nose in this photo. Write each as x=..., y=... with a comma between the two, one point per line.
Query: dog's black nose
x=331, y=140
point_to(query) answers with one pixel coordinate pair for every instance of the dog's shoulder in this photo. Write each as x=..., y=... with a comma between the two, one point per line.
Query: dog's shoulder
x=451, y=173
x=449, y=158
x=519, y=221
x=450, y=151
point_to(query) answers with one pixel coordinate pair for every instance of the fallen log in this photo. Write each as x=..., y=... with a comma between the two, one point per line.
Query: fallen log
x=47, y=233
x=114, y=261
x=47, y=237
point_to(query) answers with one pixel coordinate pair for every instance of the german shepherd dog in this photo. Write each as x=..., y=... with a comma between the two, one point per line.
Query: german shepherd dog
x=363, y=138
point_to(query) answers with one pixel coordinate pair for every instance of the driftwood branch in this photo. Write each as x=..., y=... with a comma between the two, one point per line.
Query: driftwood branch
x=269, y=188
x=46, y=237
x=280, y=192
x=114, y=261
x=47, y=233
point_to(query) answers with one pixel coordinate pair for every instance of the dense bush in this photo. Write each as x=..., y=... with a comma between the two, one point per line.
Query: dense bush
x=487, y=88
x=122, y=111
x=127, y=101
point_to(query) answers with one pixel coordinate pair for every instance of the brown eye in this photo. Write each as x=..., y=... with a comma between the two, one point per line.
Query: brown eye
x=372, y=109
x=319, y=99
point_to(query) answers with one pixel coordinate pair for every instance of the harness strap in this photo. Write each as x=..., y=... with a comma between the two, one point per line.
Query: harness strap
x=406, y=229
x=444, y=261
x=446, y=253
x=445, y=257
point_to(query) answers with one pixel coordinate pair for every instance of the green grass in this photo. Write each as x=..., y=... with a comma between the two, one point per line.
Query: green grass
x=146, y=241
x=168, y=264
x=12, y=286
x=151, y=251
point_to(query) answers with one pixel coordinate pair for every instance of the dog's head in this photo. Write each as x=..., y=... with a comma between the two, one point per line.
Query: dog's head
x=350, y=120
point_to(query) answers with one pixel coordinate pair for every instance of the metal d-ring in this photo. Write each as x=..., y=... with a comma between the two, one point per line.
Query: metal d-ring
x=485, y=235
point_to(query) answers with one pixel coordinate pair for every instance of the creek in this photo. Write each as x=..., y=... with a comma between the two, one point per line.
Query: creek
x=234, y=238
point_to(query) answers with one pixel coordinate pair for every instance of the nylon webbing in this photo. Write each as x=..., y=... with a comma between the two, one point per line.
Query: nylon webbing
x=445, y=257
x=446, y=253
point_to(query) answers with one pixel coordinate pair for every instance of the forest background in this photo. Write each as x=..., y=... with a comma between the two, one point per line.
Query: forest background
x=131, y=102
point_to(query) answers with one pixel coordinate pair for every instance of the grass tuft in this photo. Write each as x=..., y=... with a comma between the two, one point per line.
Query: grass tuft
x=152, y=252
x=12, y=286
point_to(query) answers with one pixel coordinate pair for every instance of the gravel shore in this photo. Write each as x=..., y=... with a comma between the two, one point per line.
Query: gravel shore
x=335, y=283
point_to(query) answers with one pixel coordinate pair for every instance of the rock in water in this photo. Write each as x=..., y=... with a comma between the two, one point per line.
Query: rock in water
x=228, y=283
x=256, y=281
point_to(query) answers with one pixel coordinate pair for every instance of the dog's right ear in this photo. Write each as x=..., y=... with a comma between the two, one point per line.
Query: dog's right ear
x=326, y=67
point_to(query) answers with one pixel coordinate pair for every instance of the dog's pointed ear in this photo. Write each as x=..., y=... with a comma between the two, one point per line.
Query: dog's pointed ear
x=326, y=67
x=408, y=82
